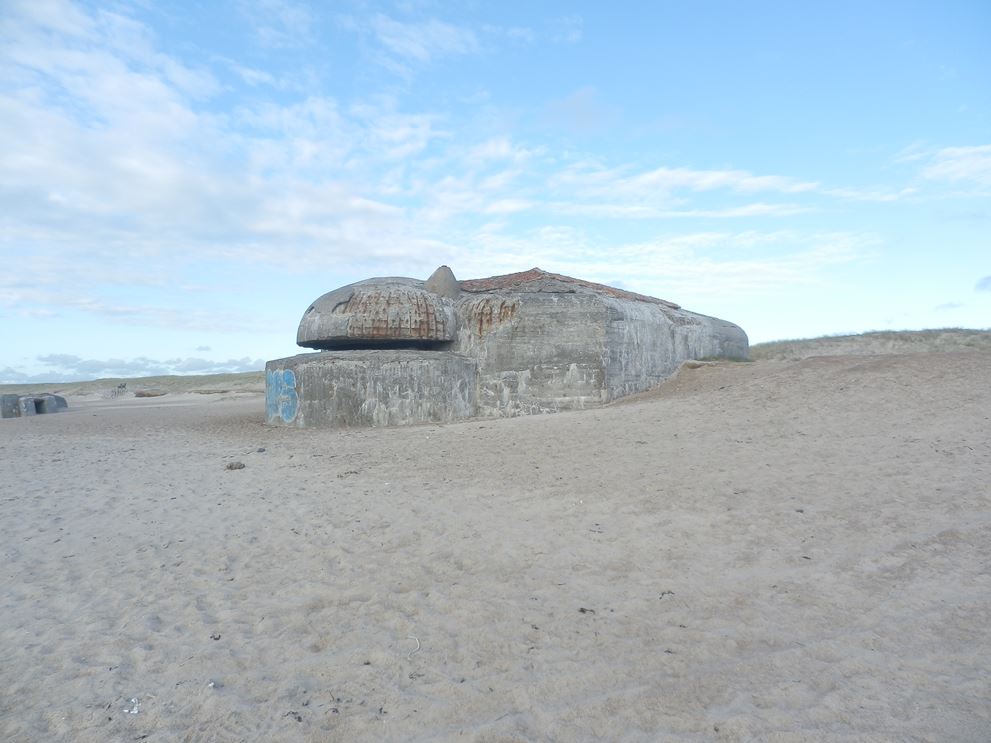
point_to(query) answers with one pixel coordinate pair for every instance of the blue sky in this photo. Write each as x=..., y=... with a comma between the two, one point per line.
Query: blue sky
x=178, y=181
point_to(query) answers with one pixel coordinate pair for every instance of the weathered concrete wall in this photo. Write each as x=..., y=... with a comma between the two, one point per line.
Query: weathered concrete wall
x=9, y=406
x=370, y=388
x=545, y=352
x=645, y=343
x=537, y=353
x=19, y=406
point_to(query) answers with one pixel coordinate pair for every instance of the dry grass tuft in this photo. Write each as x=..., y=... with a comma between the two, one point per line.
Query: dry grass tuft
x=875, y=342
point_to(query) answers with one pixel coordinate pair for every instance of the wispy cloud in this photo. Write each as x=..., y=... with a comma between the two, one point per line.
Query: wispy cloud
x=496, y=149
x=871, y=195
x=961, y=165
x=280, y=23
x=70, y=368
x=595, y=179
x=567, y=29
x=708, y=180
x=913, y=153
x=402, y=47
x=299, y=81
x=705, y=263
x=635, y=211
x=423, y=41
x=65, y=298
x=983, y=285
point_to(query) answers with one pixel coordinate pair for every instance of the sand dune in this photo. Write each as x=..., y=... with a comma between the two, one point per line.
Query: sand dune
x=877, y=342
x=785, y=551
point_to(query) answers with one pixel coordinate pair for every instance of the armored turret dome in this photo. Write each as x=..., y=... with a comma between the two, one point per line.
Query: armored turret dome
x=387, y=312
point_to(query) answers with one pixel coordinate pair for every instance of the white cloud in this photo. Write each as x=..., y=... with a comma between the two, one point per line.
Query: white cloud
x=109, y=63
x=59, y=16
x=961, y=164
x=912, y=153
x=507, y=206
x=640, y=211
x=715, y=264
x=280, y=23
x=88, y=301
x=594, y=179
x=135, y=42
x=250, y=75
x=308, y=134
x=422, y=42
x=567, y=29
x=393, y=135
x=70, y=368
x=758, y=209
x=668, y=179
x=497, y=148
x=870, y=195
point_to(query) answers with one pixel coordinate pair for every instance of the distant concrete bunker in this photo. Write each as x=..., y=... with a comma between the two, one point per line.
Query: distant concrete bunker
x=397, y=351
x=22, y=406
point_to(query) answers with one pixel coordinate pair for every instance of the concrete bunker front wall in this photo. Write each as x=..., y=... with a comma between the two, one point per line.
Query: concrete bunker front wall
x=370, y=388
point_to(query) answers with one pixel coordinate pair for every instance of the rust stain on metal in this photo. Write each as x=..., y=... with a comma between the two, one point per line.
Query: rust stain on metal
x=393, y=314
x=519, y=281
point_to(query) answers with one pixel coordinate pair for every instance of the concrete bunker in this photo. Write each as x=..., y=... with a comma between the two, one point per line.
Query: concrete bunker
x=21, y=406
x=397, y=351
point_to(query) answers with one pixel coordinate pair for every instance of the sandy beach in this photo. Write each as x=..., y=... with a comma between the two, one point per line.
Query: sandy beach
x=775, y=551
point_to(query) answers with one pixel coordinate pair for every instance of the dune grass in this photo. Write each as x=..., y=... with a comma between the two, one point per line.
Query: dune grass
x=876, y=342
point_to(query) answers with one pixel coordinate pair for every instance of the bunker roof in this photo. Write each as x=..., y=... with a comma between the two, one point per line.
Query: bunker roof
x=537, y=279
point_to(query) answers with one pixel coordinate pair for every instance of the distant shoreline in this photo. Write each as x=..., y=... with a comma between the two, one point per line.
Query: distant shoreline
x=169, y=384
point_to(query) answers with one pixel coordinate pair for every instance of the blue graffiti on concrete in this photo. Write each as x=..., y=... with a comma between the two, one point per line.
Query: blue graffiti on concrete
x=281, y=400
